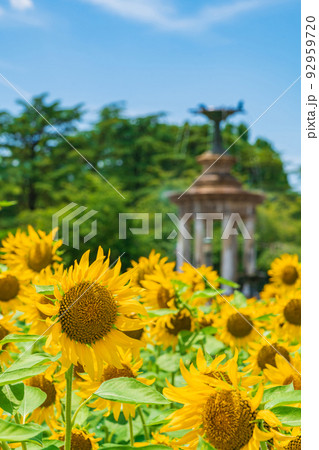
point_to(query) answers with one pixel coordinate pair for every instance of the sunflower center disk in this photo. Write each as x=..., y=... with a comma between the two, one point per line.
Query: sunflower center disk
x=135, y=334
x=111, y=372
x=289, y=275
x=239, y=325
x=78, y=441
x=40, y=256
x=46, y=386
x=3, y=332
x=179, y=323
x=292, y=312
x=267, y=355
x=295, y=444
x=87, y=312
x=163, y=297
x=219, y=375
x=228, y=420
x=9, y=288
x=77, y=370
x=204, y=322
x=295, y=379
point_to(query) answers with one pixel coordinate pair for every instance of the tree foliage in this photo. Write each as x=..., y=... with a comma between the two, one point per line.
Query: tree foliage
x=46, y=163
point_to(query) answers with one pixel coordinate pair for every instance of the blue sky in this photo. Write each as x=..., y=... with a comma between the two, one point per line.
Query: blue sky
x=160, y=55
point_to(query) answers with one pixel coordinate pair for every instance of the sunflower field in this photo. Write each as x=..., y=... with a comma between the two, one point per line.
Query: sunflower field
x=93, y=357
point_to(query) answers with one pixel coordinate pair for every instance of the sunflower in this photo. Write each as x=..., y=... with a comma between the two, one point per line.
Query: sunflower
x=158, y=289
x=294, y=444
x=285, y=272
x=140, y=334
x=197, y=279
x=50, y=410
x=221, y=414
x=262, y=354
x=269, y=292
x=218, y=370
x=32, y=252
x=146, y=266
x=32, y=305
x=165, y=329
x=237, y=327
x=81, y=439
x=160, y=439
x=91, y=313
x=288, y=321
x=14, y=289
x=204, y=320
x=7, y=327
x=130, y=369
x=284, y=373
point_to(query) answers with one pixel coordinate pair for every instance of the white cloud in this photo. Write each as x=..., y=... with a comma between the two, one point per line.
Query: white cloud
x=21, y=4
x=163, y=14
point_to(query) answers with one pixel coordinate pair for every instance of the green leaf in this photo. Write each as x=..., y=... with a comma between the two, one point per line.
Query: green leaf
x=288, y=415
x=3, y=268
x=213, y=346
x=160, y=418
x=11, y=397
x=31, y=360
x=47, y=444
x=227, y=282
x=13, y=376
x=204, y=445
x=130, y=390
x=265, y=317
x=239, y=300
x=5, y=203
x=209, y=330
x=169, y=362
x=44, y=290
x=161, y=312
x=33, y=397
x=284, y=399
x=206, y=293
x=180, y=287
x=272, y=393
x=20, y=338
x=13, y=432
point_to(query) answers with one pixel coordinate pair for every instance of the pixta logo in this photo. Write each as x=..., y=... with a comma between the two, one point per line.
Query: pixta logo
x=232, y=226
x=64, y=223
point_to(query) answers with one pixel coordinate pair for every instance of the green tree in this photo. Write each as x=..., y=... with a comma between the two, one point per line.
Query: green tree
x=33, y=160
x=144, y=158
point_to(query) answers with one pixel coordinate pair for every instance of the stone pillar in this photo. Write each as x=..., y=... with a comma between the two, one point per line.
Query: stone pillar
x=249, y=254
x=184, y=247
x=199, y=227
x=229, y=254
x=208, y=252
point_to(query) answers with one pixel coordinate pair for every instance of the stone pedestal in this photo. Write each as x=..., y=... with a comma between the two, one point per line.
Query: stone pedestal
x=218, y=191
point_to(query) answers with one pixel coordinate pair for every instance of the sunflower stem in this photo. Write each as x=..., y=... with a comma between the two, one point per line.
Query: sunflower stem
x=146, y=433
x=5, y=446
x=130, y=422
x=78, y=409
x=17, y=420
x=68, y=408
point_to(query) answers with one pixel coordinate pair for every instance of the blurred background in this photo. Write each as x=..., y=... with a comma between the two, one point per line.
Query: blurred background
x=117, y=80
